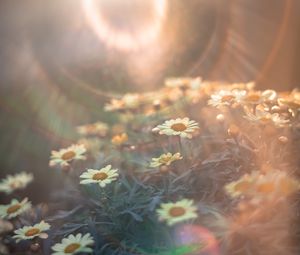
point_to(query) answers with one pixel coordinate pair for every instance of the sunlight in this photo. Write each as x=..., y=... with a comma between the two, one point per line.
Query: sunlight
x=119, y=38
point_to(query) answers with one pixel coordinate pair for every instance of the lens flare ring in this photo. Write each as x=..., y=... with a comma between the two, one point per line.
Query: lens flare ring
x=124, y=40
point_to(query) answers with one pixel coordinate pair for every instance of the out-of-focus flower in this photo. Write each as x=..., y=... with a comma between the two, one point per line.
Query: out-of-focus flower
x=183, y=82
x=114, y=105
x=177, y=82
x=128, y=101
x=119, y=139
x=91, y=144
x=292, y=102
x=241, y=186
x=273, y=184
x=15, y=208
x=132, y=101
x=30, y=232
x=97, y=128
x=193, y=95
x=226, y=97
x=179, y=211
x=5, y=226
x=264, y=117
x=74, y=244
x=63, y=157
x=15, y=182
x=253, y=98
x=103, y=176
x=165, y=159
x=181, y=127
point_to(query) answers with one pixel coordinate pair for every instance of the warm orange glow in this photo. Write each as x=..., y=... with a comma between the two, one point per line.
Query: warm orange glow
x=125, y=40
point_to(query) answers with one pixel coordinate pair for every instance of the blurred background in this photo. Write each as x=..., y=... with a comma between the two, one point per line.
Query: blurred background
x=62, y=59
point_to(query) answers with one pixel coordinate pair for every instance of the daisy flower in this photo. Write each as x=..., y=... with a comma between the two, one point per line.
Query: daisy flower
x=64, y=156
x=15, y=182
x=14, y=209
x=74, y=244
x=128, y=101
x=179, y=211
x=242, y=186
x=264, y=117
x=30, y=232
x=181, y=127
x=97, y=128
x=273, y=184
x=103, y=176
x=165, y=159
x=226, y=97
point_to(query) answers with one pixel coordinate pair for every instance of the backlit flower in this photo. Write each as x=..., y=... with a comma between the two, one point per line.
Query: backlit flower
x=74, y=244
x=273, y=184
x=103, y=176
x=242, y=186
x=30, y=232
x=226, y=97
x=165, y=159
x=15, y=182
x=97, y=128
x=181, y=127
x=63, y=157
x=128, y=101
x=264, y=118
x=179, y=211
x=14, y=208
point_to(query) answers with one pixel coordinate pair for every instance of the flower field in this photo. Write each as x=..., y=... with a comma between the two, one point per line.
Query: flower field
x=195, y=168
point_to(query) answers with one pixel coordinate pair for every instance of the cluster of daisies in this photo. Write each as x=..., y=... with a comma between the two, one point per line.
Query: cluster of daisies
x=170, y=212
x=261, y=108
x=16, y=208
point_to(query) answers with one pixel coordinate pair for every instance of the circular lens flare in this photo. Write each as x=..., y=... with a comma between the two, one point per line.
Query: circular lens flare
x=119, y=38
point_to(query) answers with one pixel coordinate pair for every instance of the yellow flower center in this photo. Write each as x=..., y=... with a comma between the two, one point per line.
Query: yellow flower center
x=265, y=119
x=266, y=188
x=68, y=155
x=164, y=159
x=13, y=208
x=242, y=186
x=71, y=247
x=179, y=127
x=177, y=211
x=253, y=97
x=15, y=184
x=227, y=98
x=32, y=232
x=100, y=176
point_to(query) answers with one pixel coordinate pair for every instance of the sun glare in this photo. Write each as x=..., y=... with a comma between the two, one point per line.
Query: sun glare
x=120, y=38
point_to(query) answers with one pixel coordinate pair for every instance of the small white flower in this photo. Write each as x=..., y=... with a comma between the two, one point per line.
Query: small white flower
x=14, y=209
x=177, y=212
x=181, y=127
x=64, y=156
x=165, y=159
x=103, y=176
x=74, y=244
x=30, y=232
x=264, y=117
x=15, y=182
x=226, y=97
